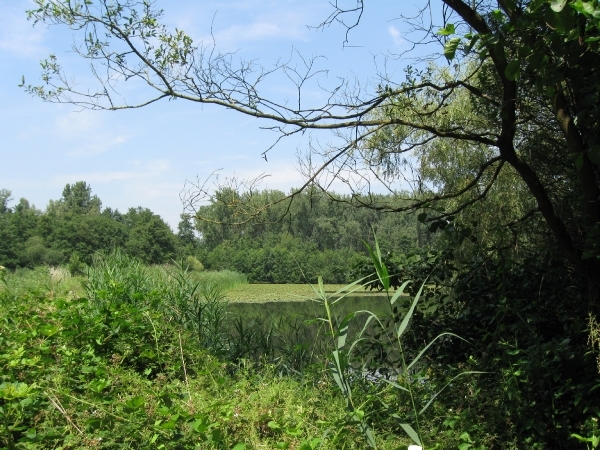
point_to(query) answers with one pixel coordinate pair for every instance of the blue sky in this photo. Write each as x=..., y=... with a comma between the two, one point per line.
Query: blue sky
x=143, y=157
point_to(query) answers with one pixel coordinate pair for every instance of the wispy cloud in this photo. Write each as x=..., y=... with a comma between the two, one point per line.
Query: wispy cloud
x=87, y=133
x=17, y=36
x=235, y=26
x=284, y=26
x=138, y=171
x=396, y=35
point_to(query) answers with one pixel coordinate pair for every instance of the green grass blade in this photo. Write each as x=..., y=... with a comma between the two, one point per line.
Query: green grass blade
x=445, y=386
x=396, y=385
x=410, y=312
x=380, y=268
x=320, y=289
x=414, y=361
x=410, y=431
x=399, y=292
x=347, y=290
x=337, y=373
x=343, y=330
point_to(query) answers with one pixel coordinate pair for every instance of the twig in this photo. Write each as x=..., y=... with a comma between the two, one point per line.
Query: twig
x=56, y=402
x=185, y=373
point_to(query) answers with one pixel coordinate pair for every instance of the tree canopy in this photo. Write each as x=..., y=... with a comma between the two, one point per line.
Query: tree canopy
x=76, y=225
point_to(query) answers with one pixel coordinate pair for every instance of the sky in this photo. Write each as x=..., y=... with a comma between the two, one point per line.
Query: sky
x=143, y=157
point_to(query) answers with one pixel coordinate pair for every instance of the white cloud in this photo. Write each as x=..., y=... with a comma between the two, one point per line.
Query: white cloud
x=87, y=133
x=140, y=170
x=267, y=28
x=18, y=36
x=396, y=35
x=235, y=23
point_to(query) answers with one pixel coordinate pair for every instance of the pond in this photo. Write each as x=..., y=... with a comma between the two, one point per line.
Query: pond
x=291, y=330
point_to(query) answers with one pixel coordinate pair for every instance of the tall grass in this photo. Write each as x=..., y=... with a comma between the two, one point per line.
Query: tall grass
x=224, y=279
x=41, y=281
x=405, y=378
x=191, y=300
x=119, y=278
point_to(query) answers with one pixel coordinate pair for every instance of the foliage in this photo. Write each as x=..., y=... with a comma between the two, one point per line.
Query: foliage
x=75, y=227
x=525, y=322
x=193, y=264
x=97, y=374
x=279, y=259
x=404, y=374
x=313, y=217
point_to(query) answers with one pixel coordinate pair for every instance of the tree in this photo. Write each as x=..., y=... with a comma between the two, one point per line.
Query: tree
x=186, y=233
x=5, y=198
x=78, y=198
x=150, y=238
x=528, y=68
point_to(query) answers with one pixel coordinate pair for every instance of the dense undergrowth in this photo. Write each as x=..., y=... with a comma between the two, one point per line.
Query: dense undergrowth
x=121, y=368
x=131, y=356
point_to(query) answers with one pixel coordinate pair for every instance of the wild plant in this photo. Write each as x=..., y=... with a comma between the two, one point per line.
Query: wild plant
x=198, y=307
x=117, y=277
x=290, y=344
x=405, y=381
x=4, y=283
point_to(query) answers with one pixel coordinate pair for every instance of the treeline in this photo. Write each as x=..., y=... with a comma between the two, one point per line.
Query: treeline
x=76, y=226
x=295, y=241
x=291, y=242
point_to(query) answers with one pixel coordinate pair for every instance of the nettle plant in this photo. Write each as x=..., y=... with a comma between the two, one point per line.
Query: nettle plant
x=405, y=373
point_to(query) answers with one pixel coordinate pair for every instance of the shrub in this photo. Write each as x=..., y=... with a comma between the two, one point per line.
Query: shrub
x=193, y=264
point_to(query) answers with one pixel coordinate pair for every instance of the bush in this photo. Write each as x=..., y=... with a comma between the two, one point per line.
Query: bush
x=193, y=264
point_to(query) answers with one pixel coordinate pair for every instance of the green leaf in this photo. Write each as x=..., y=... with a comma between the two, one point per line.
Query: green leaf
x=398, y=293
x=414, y=361
x=450, y=48
x=558, y=5
x=410, y=312
x=343, y=333
x=447, y=30
x=534, y=5
x=410, y=431
x=273, y=425
x=239, y=447
x=512, y=70
x=473, y=40
x=380, y=267
x=498, y=15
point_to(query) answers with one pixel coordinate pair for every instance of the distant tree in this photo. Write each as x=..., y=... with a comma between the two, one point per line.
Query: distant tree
x=186, y=232
x=150, y=237
x=83, y=234
x=17, y=225
x=5, y=198
x=78, y=198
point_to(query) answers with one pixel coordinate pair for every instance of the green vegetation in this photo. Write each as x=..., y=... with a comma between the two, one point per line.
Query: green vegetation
x=126, y=366
x=499, y=237
x=73, y=228
x=312, y=237
x=150, y=356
